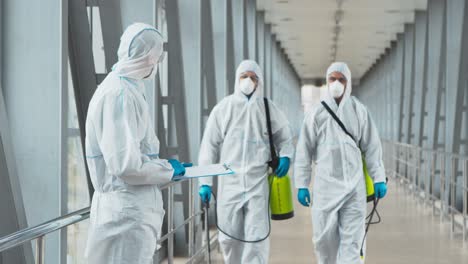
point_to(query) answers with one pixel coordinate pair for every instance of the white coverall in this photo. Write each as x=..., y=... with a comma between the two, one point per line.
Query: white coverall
x=122, y=154
x=339, y=191
x=236, y=134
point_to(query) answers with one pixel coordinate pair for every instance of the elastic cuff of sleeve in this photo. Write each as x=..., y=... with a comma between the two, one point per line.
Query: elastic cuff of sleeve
x=286, y=154
x=380, y=177
x=201, y=184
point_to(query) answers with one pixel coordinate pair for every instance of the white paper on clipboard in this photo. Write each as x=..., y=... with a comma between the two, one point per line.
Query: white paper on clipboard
x=206, y=171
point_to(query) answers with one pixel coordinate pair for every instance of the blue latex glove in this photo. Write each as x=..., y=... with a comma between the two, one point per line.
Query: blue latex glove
x=380, y=189
x=205, y=193
x=283, y=167
x=179, y=168
x=304, y=197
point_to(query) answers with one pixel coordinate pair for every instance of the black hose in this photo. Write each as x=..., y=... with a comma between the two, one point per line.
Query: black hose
x=370, y=216
x=238, y=239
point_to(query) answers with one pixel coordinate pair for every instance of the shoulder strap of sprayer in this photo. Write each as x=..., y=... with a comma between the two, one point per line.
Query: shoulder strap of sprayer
x=337, y=119
x=274, y=156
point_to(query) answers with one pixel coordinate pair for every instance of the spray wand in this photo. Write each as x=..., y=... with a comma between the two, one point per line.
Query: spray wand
x=206, y=206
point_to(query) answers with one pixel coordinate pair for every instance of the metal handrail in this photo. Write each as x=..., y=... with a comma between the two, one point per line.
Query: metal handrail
x=418, y=166
x=22, y=236
x=450, y=154
x=40, y=231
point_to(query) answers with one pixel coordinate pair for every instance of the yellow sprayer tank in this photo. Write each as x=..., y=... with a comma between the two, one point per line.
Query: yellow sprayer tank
x=281, y=201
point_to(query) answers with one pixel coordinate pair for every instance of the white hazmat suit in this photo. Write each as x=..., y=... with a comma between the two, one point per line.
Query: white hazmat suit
x=122, y=154
x=339, y=191
x=236, y=133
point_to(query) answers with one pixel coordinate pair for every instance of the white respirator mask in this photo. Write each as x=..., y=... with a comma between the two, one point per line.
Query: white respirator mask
x=247, y=86
x=336, y=89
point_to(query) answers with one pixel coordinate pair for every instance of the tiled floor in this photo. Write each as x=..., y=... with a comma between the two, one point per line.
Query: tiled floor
x=408, y=234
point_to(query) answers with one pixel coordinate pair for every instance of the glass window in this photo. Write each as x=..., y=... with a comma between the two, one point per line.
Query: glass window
x=78, y=195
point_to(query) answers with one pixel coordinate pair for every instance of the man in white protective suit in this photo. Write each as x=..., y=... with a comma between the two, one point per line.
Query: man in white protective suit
x=122, y=153
x=236, y=134
x=339, y=190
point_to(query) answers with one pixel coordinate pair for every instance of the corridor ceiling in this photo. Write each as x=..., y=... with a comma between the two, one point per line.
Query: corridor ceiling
x=316, y=32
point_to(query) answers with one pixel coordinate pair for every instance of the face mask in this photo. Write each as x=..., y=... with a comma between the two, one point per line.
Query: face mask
x=336, y=89
x=247, y=86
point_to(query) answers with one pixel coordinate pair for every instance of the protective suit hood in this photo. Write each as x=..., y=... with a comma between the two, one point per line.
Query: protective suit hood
x=141, y=47
x=342, y=68
x=246, y=66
